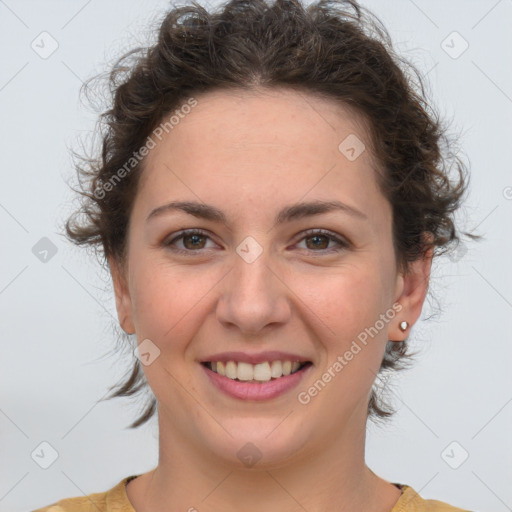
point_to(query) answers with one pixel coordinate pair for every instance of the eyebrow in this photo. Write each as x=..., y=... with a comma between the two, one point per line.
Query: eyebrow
x=287, y=214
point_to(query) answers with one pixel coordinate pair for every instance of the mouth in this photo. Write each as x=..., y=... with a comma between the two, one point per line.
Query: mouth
x=266, y=371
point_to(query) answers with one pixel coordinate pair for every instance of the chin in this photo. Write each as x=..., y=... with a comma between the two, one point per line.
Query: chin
x=262, y=446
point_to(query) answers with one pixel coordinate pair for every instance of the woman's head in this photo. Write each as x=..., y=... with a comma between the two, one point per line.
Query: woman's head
x=250, y=110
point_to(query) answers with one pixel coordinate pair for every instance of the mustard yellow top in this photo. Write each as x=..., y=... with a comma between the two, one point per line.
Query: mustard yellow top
x=116, y=500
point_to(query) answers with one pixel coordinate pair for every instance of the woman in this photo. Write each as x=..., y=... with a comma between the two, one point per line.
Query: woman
x=270, y=195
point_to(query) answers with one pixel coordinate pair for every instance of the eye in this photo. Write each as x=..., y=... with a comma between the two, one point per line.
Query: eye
x=193, y=240
x=321, y=239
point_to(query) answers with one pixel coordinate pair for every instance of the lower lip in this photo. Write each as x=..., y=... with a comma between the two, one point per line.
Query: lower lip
x=256, y=391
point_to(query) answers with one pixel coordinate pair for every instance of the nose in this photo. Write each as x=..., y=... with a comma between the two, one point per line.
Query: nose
x=253, y=297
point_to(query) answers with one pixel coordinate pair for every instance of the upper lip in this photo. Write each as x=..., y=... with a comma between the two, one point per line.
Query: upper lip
x=260, y=357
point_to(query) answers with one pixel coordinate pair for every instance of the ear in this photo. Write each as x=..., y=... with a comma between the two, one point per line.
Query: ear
x=410, y=292
x=123, y=300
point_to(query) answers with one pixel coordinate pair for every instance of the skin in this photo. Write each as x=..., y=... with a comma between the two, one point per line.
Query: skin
x=250, y=154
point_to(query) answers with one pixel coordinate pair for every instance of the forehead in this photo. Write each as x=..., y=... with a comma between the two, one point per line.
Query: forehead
x=248, y=145
x=236, y=119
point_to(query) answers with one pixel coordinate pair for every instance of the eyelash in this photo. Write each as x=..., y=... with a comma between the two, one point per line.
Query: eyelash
x=311, y=232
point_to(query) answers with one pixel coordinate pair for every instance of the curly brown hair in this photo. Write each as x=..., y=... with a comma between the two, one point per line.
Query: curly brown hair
x=335, y=49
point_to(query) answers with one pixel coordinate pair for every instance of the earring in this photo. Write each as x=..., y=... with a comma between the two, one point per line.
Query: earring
x=403, y=326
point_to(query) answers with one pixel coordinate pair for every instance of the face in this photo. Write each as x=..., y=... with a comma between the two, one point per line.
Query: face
x=265, y=283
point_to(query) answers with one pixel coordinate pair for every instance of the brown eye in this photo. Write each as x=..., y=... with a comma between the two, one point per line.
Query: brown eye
x=195, y=241
x=192, y=241
x=319, y=240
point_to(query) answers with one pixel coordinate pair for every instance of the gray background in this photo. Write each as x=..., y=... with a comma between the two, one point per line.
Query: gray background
x=55, y=315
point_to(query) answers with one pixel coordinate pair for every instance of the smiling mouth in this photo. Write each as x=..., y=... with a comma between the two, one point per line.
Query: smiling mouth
x=261, y=372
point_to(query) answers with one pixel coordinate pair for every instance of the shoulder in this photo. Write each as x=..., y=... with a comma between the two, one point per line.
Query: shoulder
x=411, y=501
x=113, y=500
x=93, y=502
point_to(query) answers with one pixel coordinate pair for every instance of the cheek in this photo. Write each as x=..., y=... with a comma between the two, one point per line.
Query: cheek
x=167, y=300
x=347, y=301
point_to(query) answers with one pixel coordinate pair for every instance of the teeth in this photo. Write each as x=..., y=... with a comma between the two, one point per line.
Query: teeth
x=261, y=372
x=231, y=370
x=276, y=369
x=245, y=371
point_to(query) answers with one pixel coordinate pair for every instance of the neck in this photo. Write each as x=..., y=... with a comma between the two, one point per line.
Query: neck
x=331, y=478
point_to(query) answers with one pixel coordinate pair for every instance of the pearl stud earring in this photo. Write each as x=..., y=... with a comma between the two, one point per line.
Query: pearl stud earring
x=403, y=326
